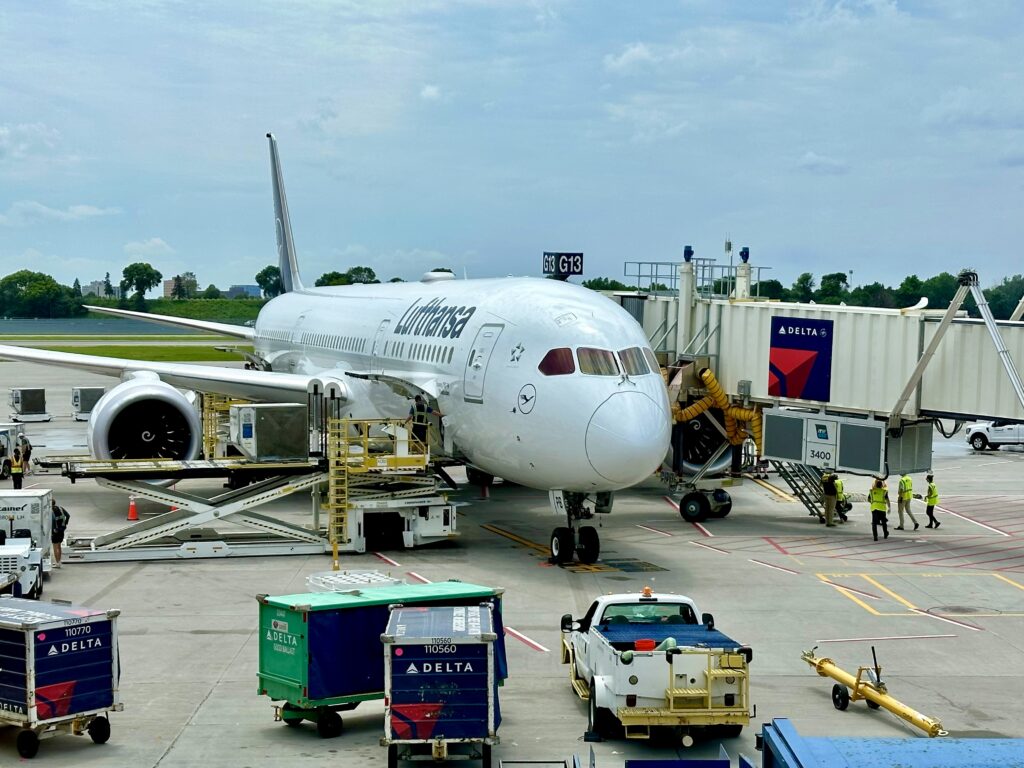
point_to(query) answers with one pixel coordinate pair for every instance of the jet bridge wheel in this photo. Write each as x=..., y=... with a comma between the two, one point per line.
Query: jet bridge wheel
x=840, y=697
x=694, y=508
x=562, y=545
x=589, y=548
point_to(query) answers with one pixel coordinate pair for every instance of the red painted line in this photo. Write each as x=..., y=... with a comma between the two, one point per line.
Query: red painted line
x=698, y=526
x=386, y=559
x=703, y=530
x=417, y=577
x=772, y=542
x=708, y=546
x=776, y=567
x=671, y=502
x=874, y=639
x=850, y=589
x=948, y=620
x=1018, y=556
x=652, y=530
x=525, y=640
x=971, y=554
x=970, y=520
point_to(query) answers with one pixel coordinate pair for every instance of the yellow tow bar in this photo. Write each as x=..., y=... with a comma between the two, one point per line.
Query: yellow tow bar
x=868, y=685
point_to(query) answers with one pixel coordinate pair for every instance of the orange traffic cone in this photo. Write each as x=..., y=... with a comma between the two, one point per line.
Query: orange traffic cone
x=133, y=513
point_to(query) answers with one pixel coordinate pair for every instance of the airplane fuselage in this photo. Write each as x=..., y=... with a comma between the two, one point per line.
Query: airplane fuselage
x=503, y=359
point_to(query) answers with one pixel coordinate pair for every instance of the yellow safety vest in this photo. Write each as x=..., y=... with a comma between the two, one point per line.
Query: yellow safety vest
x=839, y=489
x=16, y=467
x=877, y=498
x=933, y=495
x=906, y=488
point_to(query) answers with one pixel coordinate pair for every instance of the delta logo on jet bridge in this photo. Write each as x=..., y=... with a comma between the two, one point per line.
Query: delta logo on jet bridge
x=800, y=358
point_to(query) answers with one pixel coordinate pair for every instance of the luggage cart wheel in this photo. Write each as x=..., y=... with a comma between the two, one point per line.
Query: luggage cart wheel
x=873, y=705
x=28, y=744
x=329, y=724
x=392, y=756
x=840, y=697
x=485, y=760
x=99, y=730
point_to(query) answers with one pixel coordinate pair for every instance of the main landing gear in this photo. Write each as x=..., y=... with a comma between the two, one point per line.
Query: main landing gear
x=576, y=538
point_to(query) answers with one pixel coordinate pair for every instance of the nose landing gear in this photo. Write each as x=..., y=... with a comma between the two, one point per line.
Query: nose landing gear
x=575, y=538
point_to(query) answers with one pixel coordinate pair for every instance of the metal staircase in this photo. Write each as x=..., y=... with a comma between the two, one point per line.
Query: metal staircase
x=216, y=415
x=805, y=482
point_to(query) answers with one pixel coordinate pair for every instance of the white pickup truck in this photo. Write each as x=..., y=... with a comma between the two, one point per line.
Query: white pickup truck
x=992, y=434
x=643, y=661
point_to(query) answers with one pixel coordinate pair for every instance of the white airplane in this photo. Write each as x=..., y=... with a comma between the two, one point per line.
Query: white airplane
x=544, y=383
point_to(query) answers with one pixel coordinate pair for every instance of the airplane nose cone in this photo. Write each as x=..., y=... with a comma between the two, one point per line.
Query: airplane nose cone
x=627, y=437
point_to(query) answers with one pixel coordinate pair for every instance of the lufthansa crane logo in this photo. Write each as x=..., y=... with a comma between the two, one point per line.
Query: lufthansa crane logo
x=527, y=398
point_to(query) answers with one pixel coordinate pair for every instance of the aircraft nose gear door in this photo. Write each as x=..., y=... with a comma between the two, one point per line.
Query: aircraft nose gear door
x=479, y=356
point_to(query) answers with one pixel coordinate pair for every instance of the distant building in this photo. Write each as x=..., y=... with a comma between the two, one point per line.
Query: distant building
x=169, y=289
x=252, y=291
x=96, y=288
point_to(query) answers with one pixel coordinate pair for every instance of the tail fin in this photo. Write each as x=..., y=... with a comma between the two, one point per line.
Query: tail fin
x=286, y=260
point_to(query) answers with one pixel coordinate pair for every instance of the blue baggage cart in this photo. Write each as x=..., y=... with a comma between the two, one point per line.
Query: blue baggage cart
x=441, y=681
x=58, y=671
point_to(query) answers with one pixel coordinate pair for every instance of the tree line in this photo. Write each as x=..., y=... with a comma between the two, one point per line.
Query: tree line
x=834, y=288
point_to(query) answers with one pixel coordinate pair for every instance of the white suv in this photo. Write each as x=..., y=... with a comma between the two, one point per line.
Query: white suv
x=992, y=434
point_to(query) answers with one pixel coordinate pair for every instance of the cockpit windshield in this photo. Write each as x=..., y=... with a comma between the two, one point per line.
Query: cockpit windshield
x=597, y=362
x=557, y=362
x=633, y=362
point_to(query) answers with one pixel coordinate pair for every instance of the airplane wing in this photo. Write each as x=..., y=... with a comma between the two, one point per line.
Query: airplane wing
x=226, y=329
x=234, y=382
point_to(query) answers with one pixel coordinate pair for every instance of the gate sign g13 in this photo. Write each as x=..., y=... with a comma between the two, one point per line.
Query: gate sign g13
x=563, y=263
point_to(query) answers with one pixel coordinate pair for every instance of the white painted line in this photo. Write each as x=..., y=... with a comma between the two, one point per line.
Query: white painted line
x=525, y=640
x=851, y=589
x=31, y=485
x=969, y=520
x=992, y=463
x=708, y=546
x=386, y=559
x=876, y=639
x=776, y=567
x=947, y=620
x=652, y=530
x=420, y=579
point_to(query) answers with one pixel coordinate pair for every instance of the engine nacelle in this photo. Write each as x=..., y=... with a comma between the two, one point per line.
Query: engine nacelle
x=144, y=418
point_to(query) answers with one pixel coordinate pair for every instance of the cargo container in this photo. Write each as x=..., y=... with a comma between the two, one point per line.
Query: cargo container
x=28, y=514
x=439, y=681
x=270, y=431
x=83, y=400
x=59, y=671
x=320, y=652
x=29, y=405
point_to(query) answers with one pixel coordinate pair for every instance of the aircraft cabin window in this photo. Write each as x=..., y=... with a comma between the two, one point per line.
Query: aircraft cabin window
x=597, y=362
x=633, y=362
x=557, y=362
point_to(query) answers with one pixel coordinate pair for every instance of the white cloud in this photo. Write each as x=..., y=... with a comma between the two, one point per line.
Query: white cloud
x=26, y=212
x=430, y=93
x=649, y=117
x=633, y=57
x=147, y=249
x=973, y=108
x=822, y=165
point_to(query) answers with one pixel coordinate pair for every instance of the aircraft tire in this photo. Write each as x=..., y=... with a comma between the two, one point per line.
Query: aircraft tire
x=562, y=545
x=589, y=548
x=694, y=508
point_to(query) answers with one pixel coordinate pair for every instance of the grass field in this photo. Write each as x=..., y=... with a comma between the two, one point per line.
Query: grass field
x=166, y=353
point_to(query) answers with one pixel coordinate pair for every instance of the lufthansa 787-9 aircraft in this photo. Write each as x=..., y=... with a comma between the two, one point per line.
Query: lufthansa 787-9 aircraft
x=541, y=382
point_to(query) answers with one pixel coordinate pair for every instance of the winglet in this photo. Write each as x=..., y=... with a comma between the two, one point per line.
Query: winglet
x=286, y=260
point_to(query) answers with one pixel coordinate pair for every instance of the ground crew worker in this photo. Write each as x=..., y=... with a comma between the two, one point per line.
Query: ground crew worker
x=17, y=469
x=878, y=497
x=419, y=416
x=904, y=497
x=828, y=487
x=841, y=504
x=932, y=500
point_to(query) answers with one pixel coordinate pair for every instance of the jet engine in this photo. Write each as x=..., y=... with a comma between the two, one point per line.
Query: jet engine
x=144, y=418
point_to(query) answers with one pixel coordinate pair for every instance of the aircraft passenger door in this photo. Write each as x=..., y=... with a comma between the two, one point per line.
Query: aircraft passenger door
x=476, y=363
x=377, y=352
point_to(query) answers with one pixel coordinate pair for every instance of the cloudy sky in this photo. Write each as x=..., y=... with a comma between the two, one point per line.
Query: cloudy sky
x=876, y=136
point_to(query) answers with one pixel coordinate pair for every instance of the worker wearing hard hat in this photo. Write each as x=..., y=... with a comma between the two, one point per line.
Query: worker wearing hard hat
x=906, y=494
x=878, y=498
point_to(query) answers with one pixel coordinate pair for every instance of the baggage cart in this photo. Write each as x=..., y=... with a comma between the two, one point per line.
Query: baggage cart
x=320, y=653
x=440, y=682
x=59, y=671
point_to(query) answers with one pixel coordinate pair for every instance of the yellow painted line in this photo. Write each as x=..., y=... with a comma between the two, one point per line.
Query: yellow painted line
x=889, y=592
x=1008, y=581
x=849, y=594
x=777, y=491
x=517, y=539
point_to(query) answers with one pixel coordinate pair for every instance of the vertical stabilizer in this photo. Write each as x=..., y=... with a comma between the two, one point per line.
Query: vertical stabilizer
x=286, y=260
